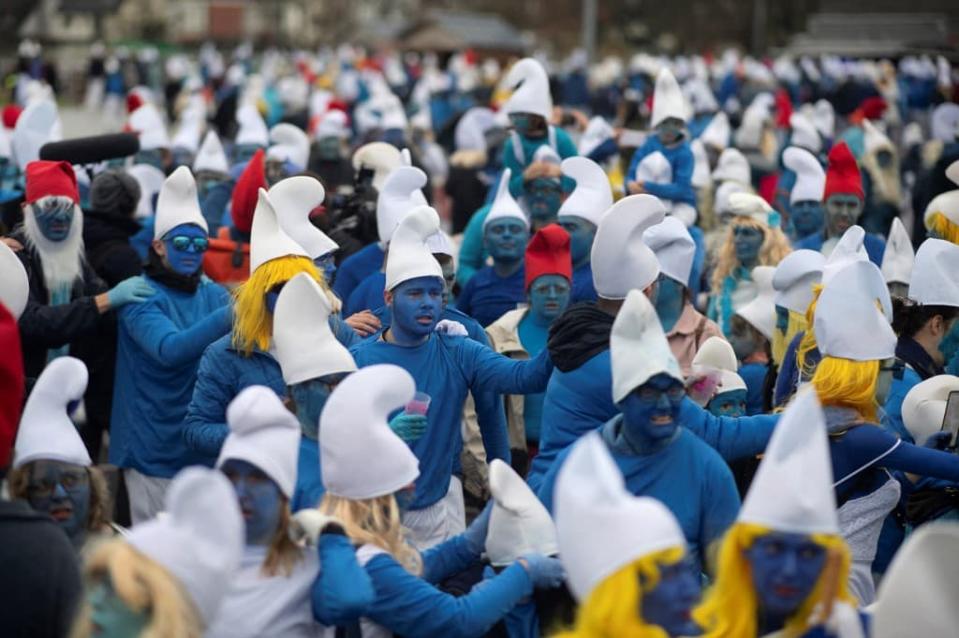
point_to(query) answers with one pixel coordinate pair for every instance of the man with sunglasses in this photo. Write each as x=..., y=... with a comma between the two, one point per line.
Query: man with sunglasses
x=159, y=348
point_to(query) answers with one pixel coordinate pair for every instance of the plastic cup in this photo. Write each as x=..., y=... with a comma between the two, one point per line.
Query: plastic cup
x=420, y=404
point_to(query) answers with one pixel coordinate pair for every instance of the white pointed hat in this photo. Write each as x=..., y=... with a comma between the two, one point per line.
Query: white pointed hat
x=654, y=168
x=715, y=354
x=178, y=204
x=924, y=407
x=289, y=144
x=761, y=311
x=306, y=347
x=875, y=140
x=263, y=433
x=848, y=324
x=600, y=526
x=848, y=250
x=398, y=195
x=621, y=260
x=519, y=523
x=668, y=99
x=674, y=248
x=532, y=95
x=46, y=430
x=723, y=192
x=148, y=124
x=190, y=130
x=798, y=448
x=810, y=175
x=824, y=117
x=934, y=274
x=945, y=203
x=592, y=196
x=293, y=199
x=199, y=540
x=701, y=173
x=804, y=133
x=917, y=594
x=637, y=329
x=354, y=428
x=899, y=255
x=35, y=127
x=732, y=165
x=598, y=130
x=267, y=239
x=717, y=132
x=151, y=179
x=252, y=129
x=14, y=284
x=381, y=157
x=795, y=277
x=504, y=205
x=410, y=256
x=211, y=156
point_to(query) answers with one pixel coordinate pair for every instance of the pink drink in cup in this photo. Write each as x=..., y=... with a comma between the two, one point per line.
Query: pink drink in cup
x=420, y=404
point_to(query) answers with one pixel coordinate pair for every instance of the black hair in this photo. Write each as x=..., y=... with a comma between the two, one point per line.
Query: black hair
x=909, y=317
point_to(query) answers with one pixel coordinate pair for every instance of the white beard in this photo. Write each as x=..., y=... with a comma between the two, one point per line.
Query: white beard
x=62, y=260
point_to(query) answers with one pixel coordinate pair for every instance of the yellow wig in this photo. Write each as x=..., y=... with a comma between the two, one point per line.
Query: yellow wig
x=808, y=342
x=731, y=607
x=142, y=585
x=849, y=384
x=775, y=247
x=781, y=340
x=941, y=226
x=614, y=607
x=252, y=322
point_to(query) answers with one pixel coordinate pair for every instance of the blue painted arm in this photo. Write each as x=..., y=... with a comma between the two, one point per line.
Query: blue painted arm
x=733, y=438
x=494, y=372
x=492, y=423
x=165, y=344
x=343, y=590
x=342, y=331
x=868, y=442
x=448, y=558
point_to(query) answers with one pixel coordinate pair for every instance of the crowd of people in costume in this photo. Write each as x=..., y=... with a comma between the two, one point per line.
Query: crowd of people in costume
x=355, y=344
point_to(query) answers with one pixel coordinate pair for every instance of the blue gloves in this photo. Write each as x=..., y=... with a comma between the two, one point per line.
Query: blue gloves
x=544, y=571
x=475, y=534
x=131, y=290
x=408, y=427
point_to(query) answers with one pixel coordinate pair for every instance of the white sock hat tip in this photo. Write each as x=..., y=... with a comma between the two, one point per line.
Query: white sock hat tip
x=267, y=239
x=810, y=175
x=733, y=165
x=200, y=540
x=178, y=204
x=505, y=205
x=381, y=157
x=798, y=448
x=294, y=198
x=847, y=323
x=251, y=127
x=717, y=132
x=519, y=523
x=668, y=99
x=620, y=260
x=934, y=274
x=354, y=428
x=925, y=406
x=674, y=248
x=410, y=255
x=14, y=285
x=804, y=133
x=148, y=124
x=400, y=193
x=751, y=206
x=46, y=430
x=306, y=347
x=290, y=144
x=637, y=329
x=600, y=526
x=150, y=178
x=899, y=255
x=848, y=250
x=264, y=433
x=532, y=93
x=795, y=277
x=211, y=156
x=761, y=311
x=715, y=354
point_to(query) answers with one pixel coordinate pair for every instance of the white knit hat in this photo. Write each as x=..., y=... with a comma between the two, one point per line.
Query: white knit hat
x=399, y=194
x=804, y=133
x=716, y=133
x=199, y=540
x=848, y=325
x=899, y=255
x=674, y=248
x=306, y=347
x=532, y=95
x=211, y=156
x=14, y=285
x=46, y=430
x=637, y=329
x=252, y=129
x=934, y=274
x=267, y=239
x=354, y=429
x=519, y=523
x=795, y=277
x=592, y=196
x=263, y=433
x=668, y=99
x=924, y=407
x=381, y=157
x=290, y=144
x=761, y=311
x=178, y=204
x=293, y=199
x=732, y=165
x=600, y=526
x=810, y=175
x=410, y=256
x=148, y=124
x=621, y=260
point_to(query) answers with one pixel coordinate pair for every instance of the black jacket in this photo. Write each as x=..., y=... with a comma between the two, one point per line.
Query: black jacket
x=40, y=580
x=106, y=240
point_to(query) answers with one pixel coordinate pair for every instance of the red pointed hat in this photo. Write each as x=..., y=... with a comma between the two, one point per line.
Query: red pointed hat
x=45, y=179
x=246, y=192
x=11, y=380
x=548, y=254
x=842, y=173
x=11, y=113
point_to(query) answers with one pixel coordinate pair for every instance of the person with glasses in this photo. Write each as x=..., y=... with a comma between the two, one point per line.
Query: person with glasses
x=159, y=348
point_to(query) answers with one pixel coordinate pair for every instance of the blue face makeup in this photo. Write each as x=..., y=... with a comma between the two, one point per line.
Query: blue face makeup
x=61, y=490
x=842, y=211
x=327, y=265
x=542, y=198
x=782, y=319
x=310, y=397
x=110, y=615
x=669, y=131
x=185, y=245
x=785, y=569
x=671, y=602
x=259, y=497
x=548, y=298
x=748, y=241
x=524, y=123
x=581, y=235
x=743, y=338
x=651, y=413
x=732, y=404
x=416, y=307
x=807, y=217
x=54, y=217
x=505, y=239
x=670, y=301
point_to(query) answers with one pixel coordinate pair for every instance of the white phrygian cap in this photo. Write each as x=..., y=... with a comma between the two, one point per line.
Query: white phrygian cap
x=178, y=204
x=798, y=448
x=804, y=133
x=733, y=165
x=46, y=430
x=761, y=311
x=795, y=277
x=810, y=175
x=848, y=324
x=211, y=156
x=701, y=172
x=848, y=250
x=399, y=194
x=267, y=239
x=252, y=129
x=293, y=199
x=532, y=93
x=899, y=255
x=637, y=329
x=592, y=196
x=674, y=248
x=148, y=124
x=150, y=178
x=600, y=526
x=621, y=260
x=306, y=347
x=381, y=157
x=290, y=144
x=37, y=125
x=519, y=523
x=504, y=205
x=717, y=132
x=935, y=274
x=945, y=203
x=14, y=284
x=668, y=99
x=410, y=255
x=924, y=407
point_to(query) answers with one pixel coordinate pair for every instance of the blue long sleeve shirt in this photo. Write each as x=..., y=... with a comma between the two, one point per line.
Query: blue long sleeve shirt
x=368, y=295
x=564, y=148
x=487, y=296
x=446, y=368
x=680, y=158
x=356, y=268
x=159, y=346
x=583, y=288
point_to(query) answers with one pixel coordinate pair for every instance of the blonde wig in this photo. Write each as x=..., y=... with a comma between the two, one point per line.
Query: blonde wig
x=98, y=518
x=945, y=229
x=775, y=246
x=847, y=383
x=375, y=521
x=781, y=340
x=808, y=342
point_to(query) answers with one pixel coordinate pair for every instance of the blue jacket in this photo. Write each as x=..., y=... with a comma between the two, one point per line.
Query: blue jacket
x=583, y=288
x=159, y=345
x=680, y=158
x=874, y=244
x=368, y=295
x=487, y=296
x=356, y=268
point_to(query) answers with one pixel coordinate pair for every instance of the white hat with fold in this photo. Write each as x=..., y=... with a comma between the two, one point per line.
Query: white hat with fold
x=293, y=199
x=899, y=255
x=637, y=329
x=519, y=523
x=211, y=156
x=530, y=84
x=592, y=196
x=848, y=324
x=410, y=256
x=14, y=285
x=934, y=274
x=810, y=175
x=504, y=206
x=267, y=239
x=795, y=277
x=399, y=194
x=674, y=248
x=621, y=260
x=178, y=204
x=761, y=311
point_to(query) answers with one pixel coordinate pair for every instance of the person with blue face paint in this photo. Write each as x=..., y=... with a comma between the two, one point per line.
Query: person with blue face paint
x=278, y=579
x=446, y=368
x=542, y=198
x=580, y=215
x=656, y=454
x=159, y=348
x=497, y=289
x=751, y=336
x=625, y=556
x=806, y=213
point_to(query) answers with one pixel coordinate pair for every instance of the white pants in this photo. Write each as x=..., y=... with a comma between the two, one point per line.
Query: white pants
x=146, y=493
x=440, y=521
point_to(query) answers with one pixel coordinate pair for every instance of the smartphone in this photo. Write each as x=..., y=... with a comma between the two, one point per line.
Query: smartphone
x=950, y=420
